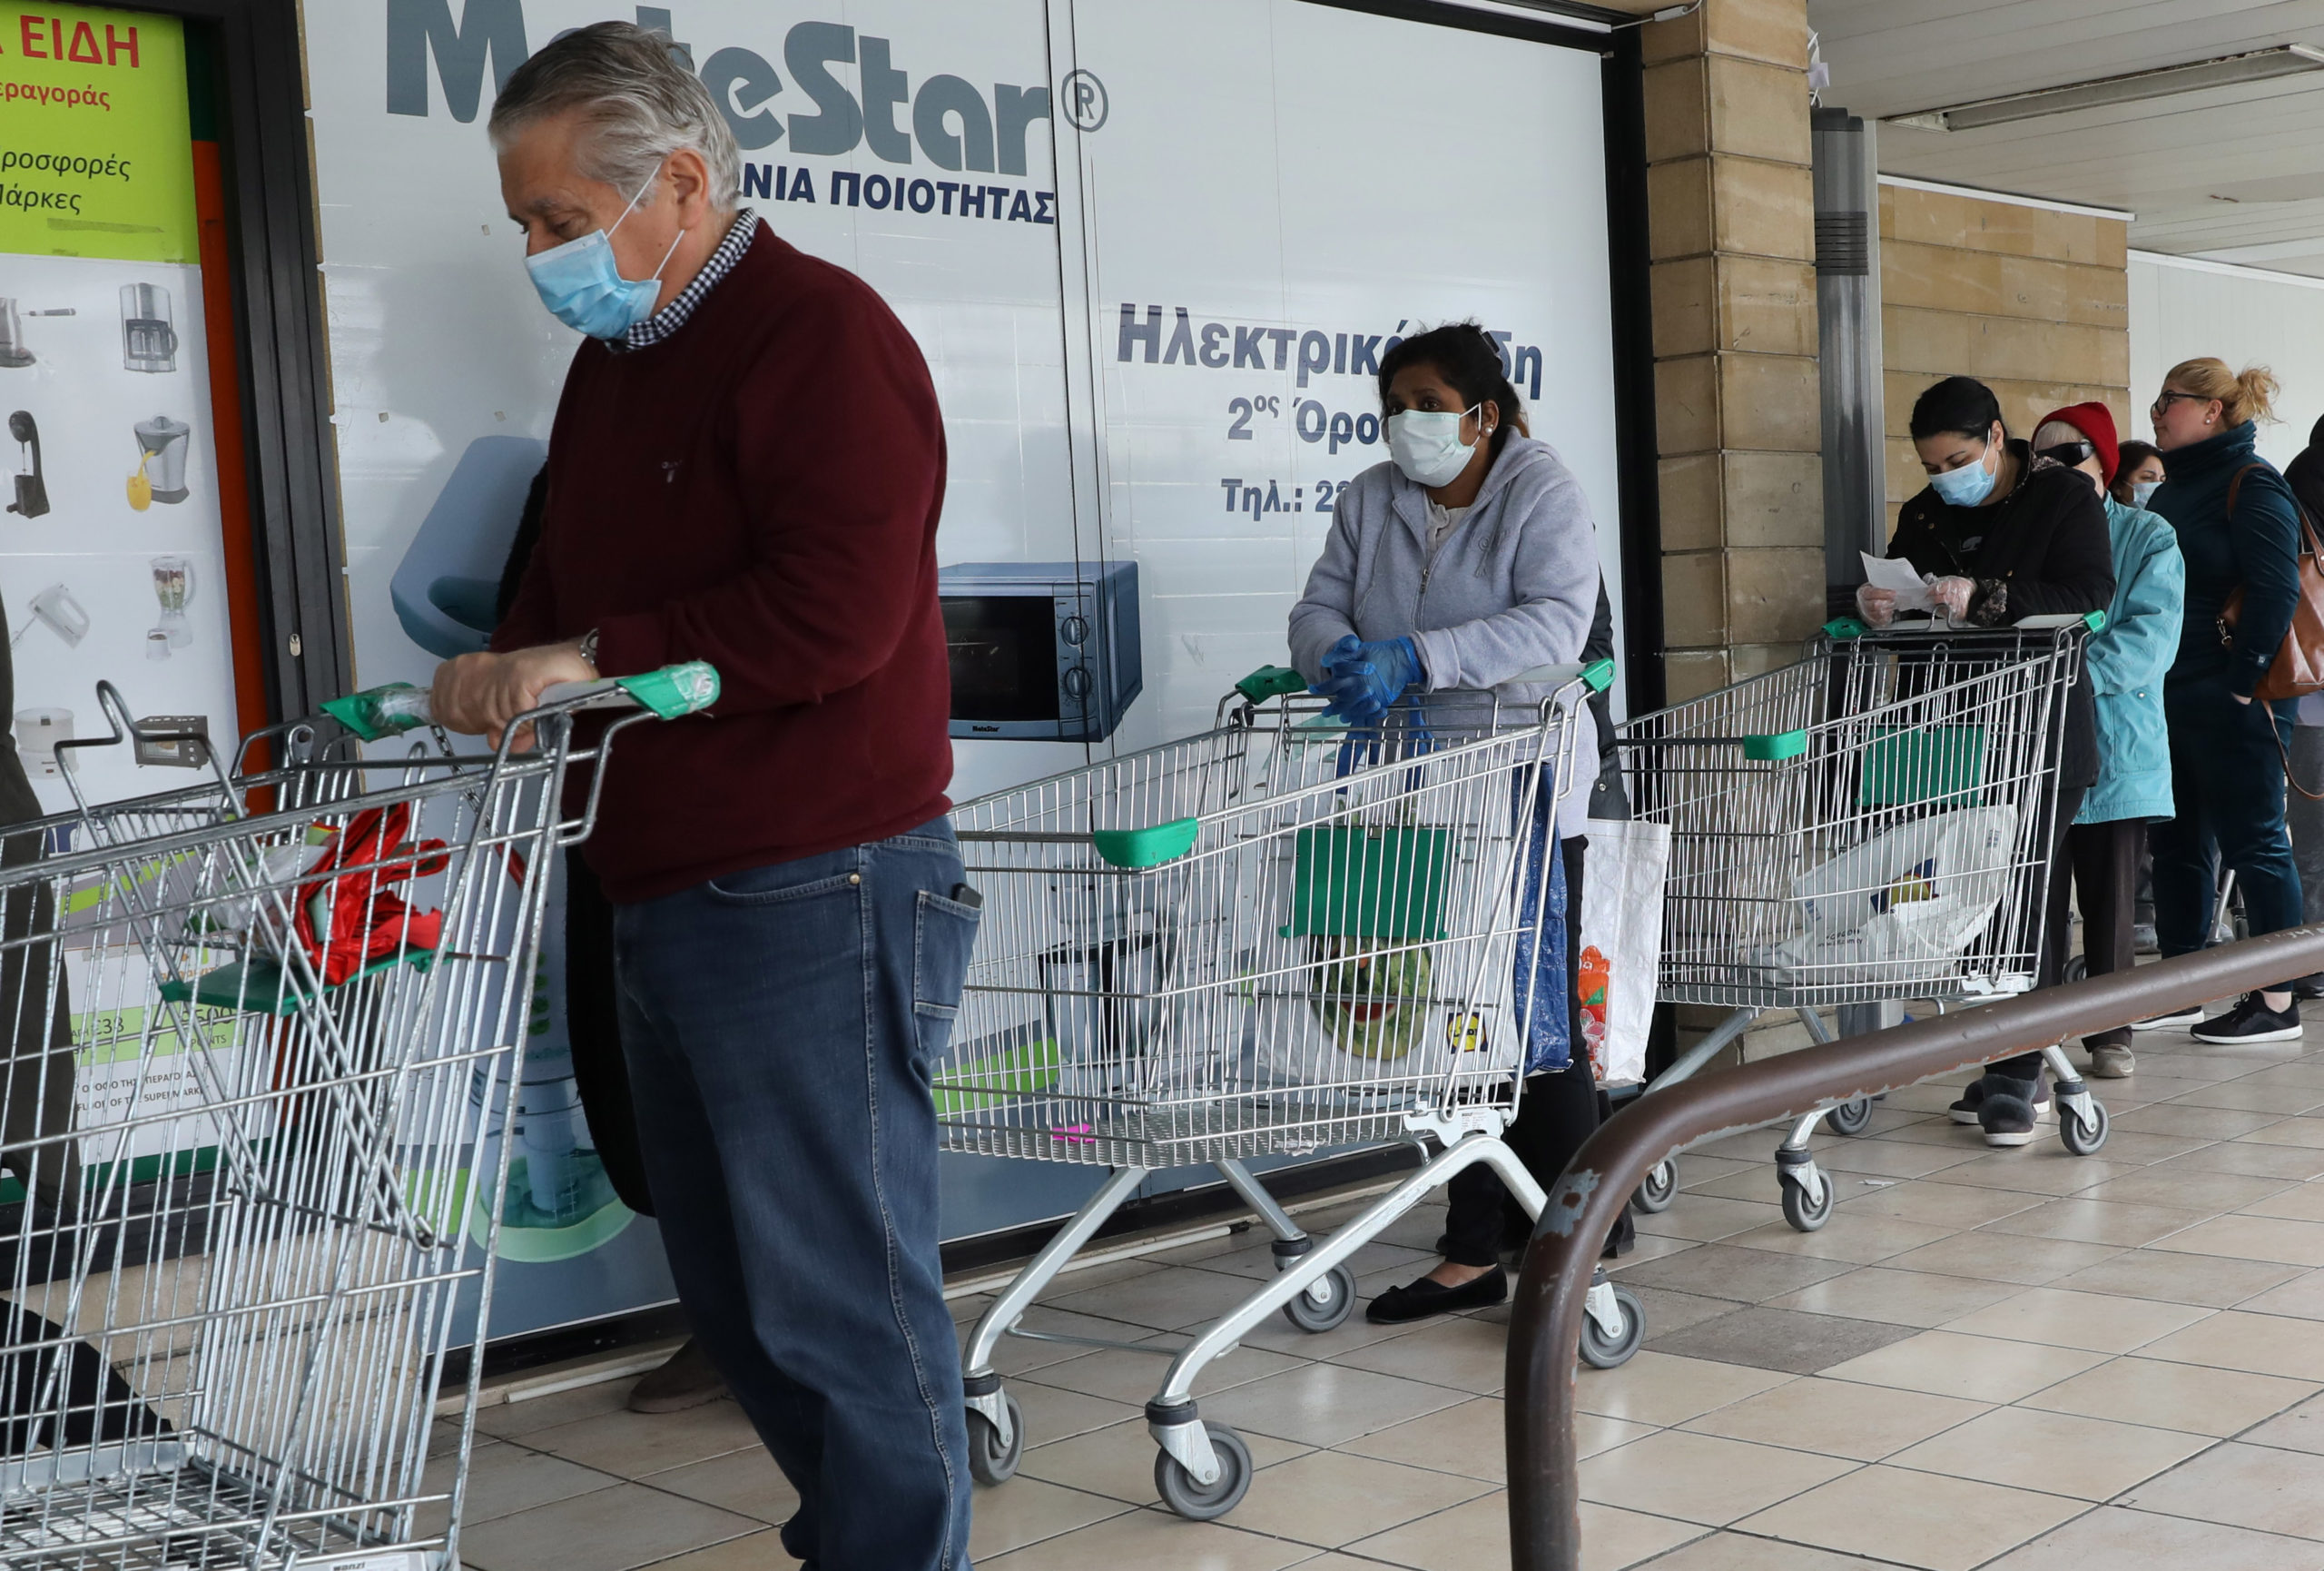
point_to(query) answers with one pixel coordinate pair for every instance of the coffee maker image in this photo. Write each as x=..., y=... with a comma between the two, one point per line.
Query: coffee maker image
x=443, y=591
x=149, y=339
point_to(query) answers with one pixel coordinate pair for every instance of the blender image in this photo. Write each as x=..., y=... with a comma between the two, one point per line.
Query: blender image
x=160, y=462
x=174, y=588
x=149, y=337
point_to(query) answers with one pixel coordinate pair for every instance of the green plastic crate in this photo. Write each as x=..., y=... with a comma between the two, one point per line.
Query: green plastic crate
x=1369, y=884
x=1934, y=765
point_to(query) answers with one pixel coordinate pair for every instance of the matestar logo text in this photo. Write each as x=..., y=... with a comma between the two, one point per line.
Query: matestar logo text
x=954, y=123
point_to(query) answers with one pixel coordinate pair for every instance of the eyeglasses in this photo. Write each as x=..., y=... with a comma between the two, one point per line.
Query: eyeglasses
x=2068, y=453
x=2161, y=406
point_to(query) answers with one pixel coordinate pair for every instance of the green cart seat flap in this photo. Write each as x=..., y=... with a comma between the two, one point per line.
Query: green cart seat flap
x=1932, y=765
x=1774, y=748
x=994, y=1080
x=1355, y=882
x=258, y=984
x=1148, y=847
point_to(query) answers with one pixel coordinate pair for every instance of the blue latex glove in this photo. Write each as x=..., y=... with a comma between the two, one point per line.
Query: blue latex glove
x=1363, y=679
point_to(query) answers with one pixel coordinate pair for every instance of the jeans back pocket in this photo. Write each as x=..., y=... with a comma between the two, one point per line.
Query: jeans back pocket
x=944, y=932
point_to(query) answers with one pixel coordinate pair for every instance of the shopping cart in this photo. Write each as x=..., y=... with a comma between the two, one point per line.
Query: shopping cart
x=1870, y=825
x=1274, y=938
x=289, y=998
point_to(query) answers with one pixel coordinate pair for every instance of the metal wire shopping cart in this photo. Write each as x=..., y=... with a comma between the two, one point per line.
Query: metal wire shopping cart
x=290, y=999
x=1272, y=938
x=1871, y=824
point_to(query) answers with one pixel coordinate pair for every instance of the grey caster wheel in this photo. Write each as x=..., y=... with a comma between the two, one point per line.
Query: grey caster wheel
x=991, y=1462
x=1805, y=1214
x=1199, y=1502
x=1850, y=1117
x=2084, y=1138
x=1602, y=1351
x=1309, y=1315
x=1661, y=1188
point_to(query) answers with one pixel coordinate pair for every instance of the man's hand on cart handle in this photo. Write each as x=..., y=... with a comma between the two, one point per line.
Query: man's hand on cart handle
x=482, y=693
x=1876, y=606
x=1951, y=595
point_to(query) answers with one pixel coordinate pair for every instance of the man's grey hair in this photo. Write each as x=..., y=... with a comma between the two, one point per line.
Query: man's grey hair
x=640, y=105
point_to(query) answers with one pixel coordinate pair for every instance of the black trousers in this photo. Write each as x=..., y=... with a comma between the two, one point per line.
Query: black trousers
x=1558, y=1111
x=2105, y=861
x=593, y=1027
x=2057, y=933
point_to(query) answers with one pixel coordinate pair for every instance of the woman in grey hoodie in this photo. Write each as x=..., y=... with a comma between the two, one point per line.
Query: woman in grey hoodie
x=1468, y=559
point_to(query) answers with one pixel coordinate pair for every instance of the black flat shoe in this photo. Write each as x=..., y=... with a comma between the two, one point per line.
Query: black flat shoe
x=1421, y=1299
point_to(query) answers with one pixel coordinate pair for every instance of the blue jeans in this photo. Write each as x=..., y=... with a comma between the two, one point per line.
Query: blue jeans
x=779, y=1026
x=2227, y=781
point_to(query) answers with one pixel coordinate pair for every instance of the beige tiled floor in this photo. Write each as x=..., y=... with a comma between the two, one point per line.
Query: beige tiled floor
x=2015, y=1359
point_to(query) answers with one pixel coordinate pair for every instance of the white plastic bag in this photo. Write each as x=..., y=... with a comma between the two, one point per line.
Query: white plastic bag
x=1903, y=907
x=1622, y=943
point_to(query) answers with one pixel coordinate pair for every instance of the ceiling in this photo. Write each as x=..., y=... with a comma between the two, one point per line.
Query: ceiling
x=2233, y=174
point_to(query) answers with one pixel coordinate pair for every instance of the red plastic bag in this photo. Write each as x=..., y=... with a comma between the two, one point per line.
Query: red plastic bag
x=349, y=914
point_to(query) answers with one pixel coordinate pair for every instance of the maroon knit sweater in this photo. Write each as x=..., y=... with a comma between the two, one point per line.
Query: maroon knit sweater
x=760, y=490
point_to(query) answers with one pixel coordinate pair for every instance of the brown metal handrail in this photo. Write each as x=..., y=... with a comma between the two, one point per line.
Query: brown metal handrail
x=1545, y=1323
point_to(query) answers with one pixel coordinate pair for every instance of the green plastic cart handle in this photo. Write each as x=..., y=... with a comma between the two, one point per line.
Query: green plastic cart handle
x=1271, y=682
x=1148, y=847
x=668, y=693
x=1843, y=628
x=1598, y=675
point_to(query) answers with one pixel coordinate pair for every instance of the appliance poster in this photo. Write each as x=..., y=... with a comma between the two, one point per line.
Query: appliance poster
x=110, y=560
x=1150, y=249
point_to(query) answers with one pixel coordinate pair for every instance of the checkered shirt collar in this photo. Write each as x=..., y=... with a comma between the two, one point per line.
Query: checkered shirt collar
x=666, y=323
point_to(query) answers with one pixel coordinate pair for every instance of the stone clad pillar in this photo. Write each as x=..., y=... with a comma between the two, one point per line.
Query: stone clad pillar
x=1732, y=235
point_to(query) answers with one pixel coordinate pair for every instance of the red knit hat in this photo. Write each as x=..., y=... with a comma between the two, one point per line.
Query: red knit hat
x=2095, y=421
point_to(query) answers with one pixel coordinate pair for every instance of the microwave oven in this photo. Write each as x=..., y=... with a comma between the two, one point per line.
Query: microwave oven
x=1041, y=651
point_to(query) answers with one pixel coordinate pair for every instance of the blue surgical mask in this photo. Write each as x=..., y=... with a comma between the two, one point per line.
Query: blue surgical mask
x=2142, y=492
x=1426, y=445
x=582, y=285
x=1968, y=485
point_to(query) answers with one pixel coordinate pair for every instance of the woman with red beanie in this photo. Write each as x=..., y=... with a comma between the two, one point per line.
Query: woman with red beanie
x=2124, y=664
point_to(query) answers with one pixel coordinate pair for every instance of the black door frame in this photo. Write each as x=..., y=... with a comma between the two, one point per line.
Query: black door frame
x=279, y=330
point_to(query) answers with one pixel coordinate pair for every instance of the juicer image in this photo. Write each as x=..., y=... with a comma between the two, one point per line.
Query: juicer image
x=149, y=338
x=15, y=353
x=173, y=587
x=445, y=589
x=32, y=486
x=161, y=461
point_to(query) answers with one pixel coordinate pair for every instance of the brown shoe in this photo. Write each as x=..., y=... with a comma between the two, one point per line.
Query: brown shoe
x=687, y=1380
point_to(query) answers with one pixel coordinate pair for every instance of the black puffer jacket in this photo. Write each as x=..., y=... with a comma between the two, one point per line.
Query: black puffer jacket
x=2042, y=550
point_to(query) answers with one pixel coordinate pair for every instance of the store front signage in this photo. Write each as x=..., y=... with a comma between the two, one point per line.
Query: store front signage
x=94, y=154
x=954, y=125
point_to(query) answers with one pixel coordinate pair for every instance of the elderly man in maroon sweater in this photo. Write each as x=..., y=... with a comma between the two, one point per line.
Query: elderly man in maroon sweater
x=746, y=468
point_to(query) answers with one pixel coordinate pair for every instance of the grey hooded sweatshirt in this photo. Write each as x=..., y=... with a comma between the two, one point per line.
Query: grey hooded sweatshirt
x=1513, y=587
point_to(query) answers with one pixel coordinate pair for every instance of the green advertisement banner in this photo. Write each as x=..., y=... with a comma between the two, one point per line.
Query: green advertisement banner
x=95, y=155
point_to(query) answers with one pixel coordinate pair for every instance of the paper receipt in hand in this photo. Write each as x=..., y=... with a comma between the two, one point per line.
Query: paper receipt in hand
x=1899, y=577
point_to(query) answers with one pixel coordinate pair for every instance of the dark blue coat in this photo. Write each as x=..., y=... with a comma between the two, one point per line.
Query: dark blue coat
x=2258, y=549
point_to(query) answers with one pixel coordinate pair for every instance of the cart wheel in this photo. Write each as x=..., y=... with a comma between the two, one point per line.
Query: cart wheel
x=2084, y=1138
x=1850, y=1117
x=1661, y=1188
x=1308, y=1314
x=1205, y=1502
x=1804, y=1214
x=1600, y=1351
x=991, y=1462
x=2077, y=968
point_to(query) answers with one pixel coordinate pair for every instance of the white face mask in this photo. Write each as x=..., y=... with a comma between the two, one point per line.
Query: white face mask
x=1427, y=444
x=2142, y=491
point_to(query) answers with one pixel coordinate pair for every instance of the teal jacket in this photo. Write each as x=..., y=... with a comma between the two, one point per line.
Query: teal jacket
x=2125, y=663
